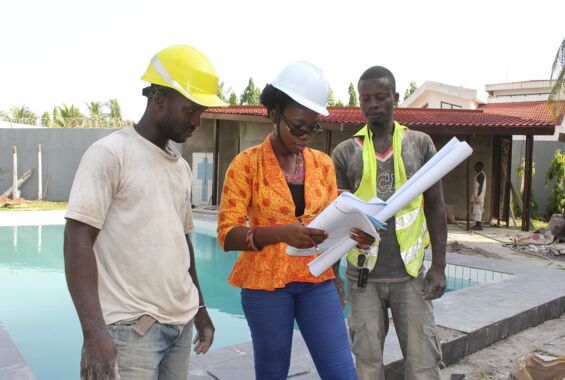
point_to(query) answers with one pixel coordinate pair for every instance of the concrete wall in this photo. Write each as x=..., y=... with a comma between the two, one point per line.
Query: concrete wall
x=433, y=100
x=62, y=150
x=543, y=154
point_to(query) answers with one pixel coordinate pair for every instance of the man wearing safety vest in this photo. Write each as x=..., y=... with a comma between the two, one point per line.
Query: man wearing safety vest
x=128, y=257
x=377, y=161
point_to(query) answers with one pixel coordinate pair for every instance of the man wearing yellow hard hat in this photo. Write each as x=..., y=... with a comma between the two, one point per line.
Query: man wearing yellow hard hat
x=128, y=257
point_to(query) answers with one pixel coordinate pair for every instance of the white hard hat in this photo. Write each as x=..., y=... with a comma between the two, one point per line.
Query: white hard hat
x=304, y=82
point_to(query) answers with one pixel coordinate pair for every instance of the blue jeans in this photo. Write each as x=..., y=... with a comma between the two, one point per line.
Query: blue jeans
x=162, y=353
x=317, y=310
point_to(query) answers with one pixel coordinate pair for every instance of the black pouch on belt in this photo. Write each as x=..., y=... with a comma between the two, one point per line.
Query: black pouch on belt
x=363, y=271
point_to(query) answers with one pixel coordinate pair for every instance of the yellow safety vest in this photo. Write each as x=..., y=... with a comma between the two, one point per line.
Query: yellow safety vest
x=411, y=230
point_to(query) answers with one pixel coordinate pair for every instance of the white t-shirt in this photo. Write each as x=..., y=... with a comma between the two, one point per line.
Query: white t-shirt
x=139, y=198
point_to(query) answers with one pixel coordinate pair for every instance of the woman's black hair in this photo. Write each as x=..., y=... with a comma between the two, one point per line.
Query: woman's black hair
x=274, y=99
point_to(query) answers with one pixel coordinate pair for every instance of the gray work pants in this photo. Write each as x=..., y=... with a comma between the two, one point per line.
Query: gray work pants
x=413, y=320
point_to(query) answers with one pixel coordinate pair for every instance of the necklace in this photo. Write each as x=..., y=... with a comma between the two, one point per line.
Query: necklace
x=296, y=178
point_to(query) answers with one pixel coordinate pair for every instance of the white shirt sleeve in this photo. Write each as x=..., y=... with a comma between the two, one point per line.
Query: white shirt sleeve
x=94, y=186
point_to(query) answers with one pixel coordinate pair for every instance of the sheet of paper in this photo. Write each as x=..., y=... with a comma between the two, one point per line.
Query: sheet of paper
x=337, y=220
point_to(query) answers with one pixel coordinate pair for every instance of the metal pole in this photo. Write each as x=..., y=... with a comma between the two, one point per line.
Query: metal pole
x=216, y=156
x=528, y=163
x=39, y=174
x=467, y=194
x=15, y=192
x=328, y=142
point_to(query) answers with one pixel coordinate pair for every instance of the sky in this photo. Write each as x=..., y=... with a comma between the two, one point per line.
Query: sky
x=68, y=51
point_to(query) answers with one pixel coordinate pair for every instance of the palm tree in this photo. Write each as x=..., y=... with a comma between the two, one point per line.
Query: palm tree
x=21, y=115
x=557, y=107
x=95, y=108
x=557, y=74
x=46, y=120
x=115, y=112
x=115, y=109
x=66, y=116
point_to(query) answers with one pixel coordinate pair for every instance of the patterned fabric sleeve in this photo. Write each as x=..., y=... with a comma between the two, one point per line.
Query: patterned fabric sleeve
x=236, y=196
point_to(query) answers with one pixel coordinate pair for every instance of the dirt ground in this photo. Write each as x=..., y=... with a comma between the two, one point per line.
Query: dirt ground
x=495, y=362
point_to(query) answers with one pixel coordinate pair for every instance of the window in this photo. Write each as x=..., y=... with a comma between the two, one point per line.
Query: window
x=449, y=106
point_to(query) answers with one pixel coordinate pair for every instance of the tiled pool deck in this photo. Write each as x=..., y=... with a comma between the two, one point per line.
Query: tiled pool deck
x=468, y=319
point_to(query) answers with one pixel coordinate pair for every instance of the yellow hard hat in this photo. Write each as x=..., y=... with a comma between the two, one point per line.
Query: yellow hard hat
x=188, y=71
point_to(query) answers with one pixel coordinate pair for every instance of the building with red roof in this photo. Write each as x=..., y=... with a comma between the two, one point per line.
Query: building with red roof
x=228, y=131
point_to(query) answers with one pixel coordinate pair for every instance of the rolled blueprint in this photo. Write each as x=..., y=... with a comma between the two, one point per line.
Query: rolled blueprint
x=321, y=263
x=447, y=148
x=432, y=175
x=451, y=155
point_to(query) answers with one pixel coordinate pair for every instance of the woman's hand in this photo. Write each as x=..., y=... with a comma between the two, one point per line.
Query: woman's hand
x=299, y=236
x=363, y=239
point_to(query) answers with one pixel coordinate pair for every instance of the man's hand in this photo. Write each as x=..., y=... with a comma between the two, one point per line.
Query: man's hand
x=99, y=358
x=204, y=331
x=299, y=236
x=363, y=239
x=434, y=283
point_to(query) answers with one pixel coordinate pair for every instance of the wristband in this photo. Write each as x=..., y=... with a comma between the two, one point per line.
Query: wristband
x=249, y=239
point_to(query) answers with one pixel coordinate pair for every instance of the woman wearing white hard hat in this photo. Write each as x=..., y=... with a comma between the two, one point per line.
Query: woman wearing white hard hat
x=278, y=187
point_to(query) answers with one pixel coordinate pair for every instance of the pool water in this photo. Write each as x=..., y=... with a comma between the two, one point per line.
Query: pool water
x=38, y=313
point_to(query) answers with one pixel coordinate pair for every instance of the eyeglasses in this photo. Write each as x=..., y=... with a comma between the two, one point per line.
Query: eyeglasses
x=299, y=131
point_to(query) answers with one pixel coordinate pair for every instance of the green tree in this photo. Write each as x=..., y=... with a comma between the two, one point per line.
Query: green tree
x=556, y=172
x=332, y=101
x=233, y=99
x=251, y=94
x=46, y=119
x=353, y=100
x=220, y=91
x=21, y=115
x=331, y=98
x=412, y=87
x=115, y=113
x=65, y=116
x=558, y=75
x=223, y=91
x=115, y=109
x=96, y=111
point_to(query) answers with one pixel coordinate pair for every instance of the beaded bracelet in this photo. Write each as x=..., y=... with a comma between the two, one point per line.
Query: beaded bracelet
x=249, y=239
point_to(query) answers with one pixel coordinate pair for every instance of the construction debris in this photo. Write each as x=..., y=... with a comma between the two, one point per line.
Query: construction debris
x=556, y=225
x=20, y=182
x=533, y=238
x=4, y=201
x=536, y=367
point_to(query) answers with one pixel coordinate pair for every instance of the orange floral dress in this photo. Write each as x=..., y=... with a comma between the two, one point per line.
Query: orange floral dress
x=255, y=189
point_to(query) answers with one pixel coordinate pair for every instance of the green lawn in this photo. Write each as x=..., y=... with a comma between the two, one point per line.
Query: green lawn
x=30, y=205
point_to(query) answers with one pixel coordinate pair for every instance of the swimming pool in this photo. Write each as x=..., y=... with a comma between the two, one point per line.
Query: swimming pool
x=38, y=313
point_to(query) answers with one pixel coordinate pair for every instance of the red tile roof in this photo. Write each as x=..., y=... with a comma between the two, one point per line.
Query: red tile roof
x=491, y=115
x=526, y=110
